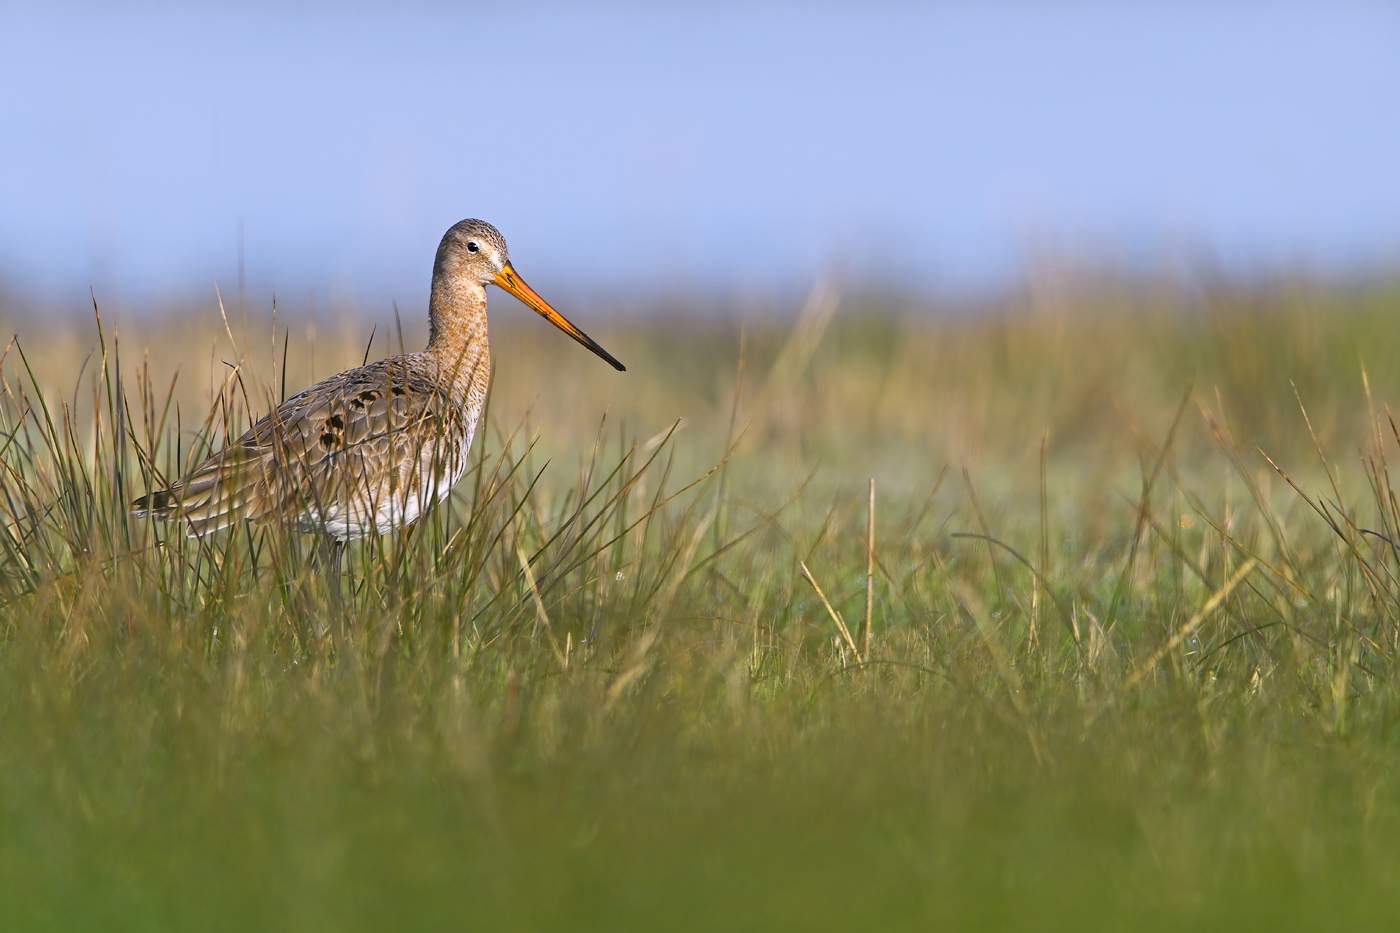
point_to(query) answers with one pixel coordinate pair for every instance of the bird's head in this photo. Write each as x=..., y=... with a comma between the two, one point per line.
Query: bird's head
x=474, y=251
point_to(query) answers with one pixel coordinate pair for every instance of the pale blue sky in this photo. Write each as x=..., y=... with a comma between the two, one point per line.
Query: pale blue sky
x=667, y=145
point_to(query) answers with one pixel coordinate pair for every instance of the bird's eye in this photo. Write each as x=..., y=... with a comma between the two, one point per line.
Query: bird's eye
x=472, y=247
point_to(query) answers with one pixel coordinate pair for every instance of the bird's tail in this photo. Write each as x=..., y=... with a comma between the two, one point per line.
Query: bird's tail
x=209, y=499
x=159, y=504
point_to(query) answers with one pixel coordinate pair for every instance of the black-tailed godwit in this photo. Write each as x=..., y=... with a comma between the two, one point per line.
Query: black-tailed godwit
x=372, y=447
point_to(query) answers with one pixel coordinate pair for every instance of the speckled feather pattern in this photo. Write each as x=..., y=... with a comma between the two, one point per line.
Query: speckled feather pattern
x=371, y=447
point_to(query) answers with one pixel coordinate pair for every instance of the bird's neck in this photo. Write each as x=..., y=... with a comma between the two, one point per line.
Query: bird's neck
x=457, y=327
x=456, y=317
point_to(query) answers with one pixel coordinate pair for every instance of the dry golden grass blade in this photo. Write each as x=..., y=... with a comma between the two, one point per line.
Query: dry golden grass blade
x=541, y=617
x=636, y=664
x=869, y=574
x=1183, y=632
x=831, y=611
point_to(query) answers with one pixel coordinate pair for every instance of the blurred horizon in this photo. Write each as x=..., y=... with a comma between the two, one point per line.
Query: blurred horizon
x=629, y=149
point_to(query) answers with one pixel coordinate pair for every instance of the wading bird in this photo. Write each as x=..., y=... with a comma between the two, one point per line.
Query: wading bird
x=372, y=447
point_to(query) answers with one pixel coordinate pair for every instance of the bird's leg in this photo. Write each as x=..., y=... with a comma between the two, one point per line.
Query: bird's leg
x=337, y=555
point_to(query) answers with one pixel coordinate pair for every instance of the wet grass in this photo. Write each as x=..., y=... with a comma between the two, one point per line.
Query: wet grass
x=1117, y=670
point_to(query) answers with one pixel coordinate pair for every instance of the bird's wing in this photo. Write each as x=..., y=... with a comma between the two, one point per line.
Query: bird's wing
x=351, y=438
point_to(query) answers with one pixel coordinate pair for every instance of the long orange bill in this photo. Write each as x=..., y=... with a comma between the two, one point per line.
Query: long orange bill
x=511, y=281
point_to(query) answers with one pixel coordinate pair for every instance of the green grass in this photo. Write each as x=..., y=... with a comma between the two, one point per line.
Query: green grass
x=1186, y=715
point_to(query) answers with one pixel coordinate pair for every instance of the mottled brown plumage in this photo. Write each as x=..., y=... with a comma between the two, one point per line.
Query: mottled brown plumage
x=371, y=447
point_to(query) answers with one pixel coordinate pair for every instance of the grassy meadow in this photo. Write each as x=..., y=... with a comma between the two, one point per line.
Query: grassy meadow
x=1090, y=661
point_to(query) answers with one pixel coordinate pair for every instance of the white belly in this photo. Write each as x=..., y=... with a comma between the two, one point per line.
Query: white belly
x=395, y=503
